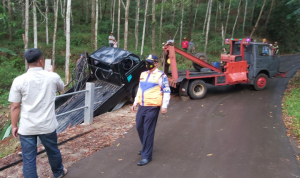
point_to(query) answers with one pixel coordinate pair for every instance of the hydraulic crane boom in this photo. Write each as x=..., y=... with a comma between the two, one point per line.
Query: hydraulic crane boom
x=172, y=49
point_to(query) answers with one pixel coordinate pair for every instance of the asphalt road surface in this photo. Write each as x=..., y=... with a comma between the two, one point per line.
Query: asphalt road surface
x=234, y=132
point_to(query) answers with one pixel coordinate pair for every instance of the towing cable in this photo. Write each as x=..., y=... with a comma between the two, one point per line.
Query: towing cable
x=40, y=152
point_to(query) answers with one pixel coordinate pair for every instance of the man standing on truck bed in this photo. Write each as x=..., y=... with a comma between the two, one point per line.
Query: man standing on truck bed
x=153, y=95
x=111, y=39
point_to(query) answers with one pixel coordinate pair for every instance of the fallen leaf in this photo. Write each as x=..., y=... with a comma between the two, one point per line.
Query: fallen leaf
x=118, y=144
x=221, y=104
x=202, y=105
x=275, y=106
x=270, y=112
x=271, y=116
x=120, y=159
x=209, y=154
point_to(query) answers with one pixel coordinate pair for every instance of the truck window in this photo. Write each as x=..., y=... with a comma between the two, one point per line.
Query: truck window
x=264, y=50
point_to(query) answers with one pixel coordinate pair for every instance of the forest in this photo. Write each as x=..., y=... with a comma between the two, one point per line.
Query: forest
x=64, y=29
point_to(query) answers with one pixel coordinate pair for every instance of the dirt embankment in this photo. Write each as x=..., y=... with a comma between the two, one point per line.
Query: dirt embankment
x=102, y=133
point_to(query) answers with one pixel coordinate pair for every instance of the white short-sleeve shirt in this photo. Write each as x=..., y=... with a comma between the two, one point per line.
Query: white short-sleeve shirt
x=111, y=37
x=36, y=90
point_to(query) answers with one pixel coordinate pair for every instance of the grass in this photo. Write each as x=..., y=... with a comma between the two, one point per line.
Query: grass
x=11, y=147
x=291, y=105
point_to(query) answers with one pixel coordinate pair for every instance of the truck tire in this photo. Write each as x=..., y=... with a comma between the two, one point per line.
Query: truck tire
x=201, y=56
x=260, y=82
x=197, y=89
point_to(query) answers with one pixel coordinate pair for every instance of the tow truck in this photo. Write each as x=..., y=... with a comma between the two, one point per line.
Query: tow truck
x=247, y=62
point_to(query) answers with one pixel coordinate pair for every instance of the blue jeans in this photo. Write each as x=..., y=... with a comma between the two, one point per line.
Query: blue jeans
x=29, y=153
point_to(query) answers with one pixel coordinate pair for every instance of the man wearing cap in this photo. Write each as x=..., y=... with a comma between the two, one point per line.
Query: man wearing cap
x=111, y=39
x=276, y=47
x=152, y=96
x=36, y=90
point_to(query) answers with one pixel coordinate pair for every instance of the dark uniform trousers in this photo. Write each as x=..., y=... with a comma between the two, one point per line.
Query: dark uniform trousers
x=146, y=119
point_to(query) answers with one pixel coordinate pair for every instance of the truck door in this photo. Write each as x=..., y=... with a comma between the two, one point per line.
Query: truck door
x=263, y=58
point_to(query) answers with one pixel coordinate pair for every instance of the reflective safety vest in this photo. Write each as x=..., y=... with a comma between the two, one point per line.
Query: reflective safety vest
x=150, y=93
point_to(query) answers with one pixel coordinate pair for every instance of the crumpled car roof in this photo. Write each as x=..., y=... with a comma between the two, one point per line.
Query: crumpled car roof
x=110, y=55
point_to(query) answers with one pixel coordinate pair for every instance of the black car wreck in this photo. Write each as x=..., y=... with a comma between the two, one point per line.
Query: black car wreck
x=115, y=73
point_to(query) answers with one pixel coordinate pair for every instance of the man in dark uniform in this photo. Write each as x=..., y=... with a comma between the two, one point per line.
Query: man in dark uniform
x=152, y=96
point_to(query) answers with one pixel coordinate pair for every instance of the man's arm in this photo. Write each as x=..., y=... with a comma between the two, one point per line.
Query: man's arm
x=15, y=98
x=15, y=110
x=163, y=82
x=135, y=103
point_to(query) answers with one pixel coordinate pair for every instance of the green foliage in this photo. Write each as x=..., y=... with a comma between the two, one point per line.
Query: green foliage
x=10, y=68
x=297, y=11
x=4, y=130
x=4, y=50
x=291, y=103
x=284, y=30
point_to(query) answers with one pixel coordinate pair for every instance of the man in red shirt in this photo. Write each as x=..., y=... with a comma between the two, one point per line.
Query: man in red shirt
x=185, y=44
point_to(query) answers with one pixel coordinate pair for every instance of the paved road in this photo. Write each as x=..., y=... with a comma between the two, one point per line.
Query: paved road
x=242, y=129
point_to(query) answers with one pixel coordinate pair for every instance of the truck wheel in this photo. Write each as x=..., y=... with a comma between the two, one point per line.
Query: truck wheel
x=260, y=82
x=201, y=56
x=197, y=89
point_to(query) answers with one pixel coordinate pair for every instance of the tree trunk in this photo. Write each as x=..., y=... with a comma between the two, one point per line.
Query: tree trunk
x=245, y=15
x=35, y=24
x=173, y=13
x=144, y=27
x=113, y=17
x=23, y=12
x=181, y=22
x=54, y=31
x=190, y=21
x=196, y=14
x=126, y=24
x=225, y=31
x=87, y=11
x=136, y=29
x=237, y=16
x=222, y=23
x=93, y=24
x=256, y=24
x=119, y=19
x=104, y=12
x=111, y=9
x=26, y=30
x=63, y=13
x=208, y=25
x=161, y=18
x=100, y=9
x=67, y=42
x=207, y=9
x=153, y=26
x=253, y=8
x=3, y=3
x=272, y=4
x=96, y=25
x=10, y=21
x=46, y=15
x=217, y=15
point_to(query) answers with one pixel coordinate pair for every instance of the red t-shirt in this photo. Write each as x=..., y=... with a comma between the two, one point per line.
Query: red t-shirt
x=185, y=44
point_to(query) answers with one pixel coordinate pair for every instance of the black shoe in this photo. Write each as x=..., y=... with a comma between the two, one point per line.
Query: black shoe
x=144, y=162
x=140, y=153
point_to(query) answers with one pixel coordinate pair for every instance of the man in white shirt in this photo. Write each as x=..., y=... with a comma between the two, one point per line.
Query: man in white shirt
x=36, y=90
x=153, y=96
x=111, y=39
x=170, y=41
